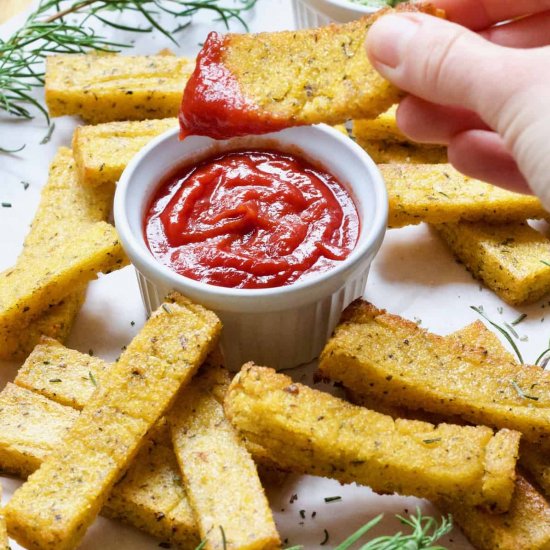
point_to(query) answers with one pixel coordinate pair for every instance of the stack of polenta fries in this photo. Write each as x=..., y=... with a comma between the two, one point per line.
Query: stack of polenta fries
x=435, y=417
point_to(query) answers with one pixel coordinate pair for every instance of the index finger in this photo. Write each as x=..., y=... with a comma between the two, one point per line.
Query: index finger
x=481, y=14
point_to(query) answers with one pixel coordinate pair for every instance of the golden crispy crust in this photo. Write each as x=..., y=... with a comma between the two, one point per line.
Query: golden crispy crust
x=220, y=476
x=102, y=152
x=525, y=526
x=61, y=499
x=64, y=206
x=289, y=78
x=103, y=88
x=386, y=152
x=512, y=259
x=36, y=283
x=437, y=193
x=315, y=433
x=3, y=532
x=376, y=353
x=536, y=460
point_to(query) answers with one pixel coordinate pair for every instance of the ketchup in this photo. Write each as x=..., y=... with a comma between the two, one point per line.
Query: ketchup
x=213, y=104
x=251, y=219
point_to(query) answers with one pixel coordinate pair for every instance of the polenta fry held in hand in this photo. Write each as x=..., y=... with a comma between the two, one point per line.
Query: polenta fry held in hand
x=375, y=353
x=313, y=432
x=257, y=83
x=61, y=499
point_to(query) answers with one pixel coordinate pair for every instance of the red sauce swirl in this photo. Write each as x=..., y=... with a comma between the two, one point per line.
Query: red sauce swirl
x=251, y=219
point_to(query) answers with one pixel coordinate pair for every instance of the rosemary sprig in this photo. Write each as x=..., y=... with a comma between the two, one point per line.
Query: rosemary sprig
x=544, y=358
x=503, y=331
x=48, y=31
x=425, y=532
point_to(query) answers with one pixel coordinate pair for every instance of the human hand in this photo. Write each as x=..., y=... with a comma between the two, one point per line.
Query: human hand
x=483, y=90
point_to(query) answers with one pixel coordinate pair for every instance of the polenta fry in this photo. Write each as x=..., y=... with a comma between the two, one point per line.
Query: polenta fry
x=512, y=260
x=384, y=152
x=385, y=143
x=437, y=193
x=382, y=128
x=102, y=152
x=64, y=206
x=30, y=287
x=31, y=427
x=61, y=374
x=61, y=499
x=150, y=496
x=3, y=532
x=56, y=322
x=315, y=433
x=103, y=88
x=525, y=526
x=220, y=476
x=380, y=354
x=537, y=462
x=270, y=81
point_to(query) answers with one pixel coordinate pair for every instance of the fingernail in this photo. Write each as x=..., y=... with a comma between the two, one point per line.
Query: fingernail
x=389, y=38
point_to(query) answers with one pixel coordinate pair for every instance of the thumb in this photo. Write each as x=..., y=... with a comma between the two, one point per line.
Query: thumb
x=447, y=64
x=442, y=62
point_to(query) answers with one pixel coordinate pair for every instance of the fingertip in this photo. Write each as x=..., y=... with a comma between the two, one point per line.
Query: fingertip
x=482, y=155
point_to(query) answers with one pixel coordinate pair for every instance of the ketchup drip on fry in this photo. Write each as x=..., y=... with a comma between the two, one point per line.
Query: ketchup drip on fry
x=251, y=219
x=213, y=104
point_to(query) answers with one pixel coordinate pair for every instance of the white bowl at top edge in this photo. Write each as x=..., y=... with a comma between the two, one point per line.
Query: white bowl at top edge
x=317, y=13
x=279, y=327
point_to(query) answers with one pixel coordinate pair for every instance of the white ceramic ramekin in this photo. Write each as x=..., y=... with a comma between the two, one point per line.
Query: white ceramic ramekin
x=316, y=13
x=279, y=327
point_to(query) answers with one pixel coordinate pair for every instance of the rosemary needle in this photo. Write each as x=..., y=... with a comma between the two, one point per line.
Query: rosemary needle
x=503, y=331
x=425, y=531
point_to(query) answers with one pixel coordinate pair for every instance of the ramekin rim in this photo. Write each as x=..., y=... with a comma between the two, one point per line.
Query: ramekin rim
x=348, y=5
x=140, y=255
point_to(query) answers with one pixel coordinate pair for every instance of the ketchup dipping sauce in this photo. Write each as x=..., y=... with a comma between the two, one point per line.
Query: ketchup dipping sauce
x=251, y=219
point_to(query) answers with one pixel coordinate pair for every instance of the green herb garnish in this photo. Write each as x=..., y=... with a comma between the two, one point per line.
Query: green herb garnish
x=48, y=30
x=519, y=319
x=425, y=532
x=332, y=499
x=92, y=378
x=48, y=136
x=503, y=331
x=521, y=393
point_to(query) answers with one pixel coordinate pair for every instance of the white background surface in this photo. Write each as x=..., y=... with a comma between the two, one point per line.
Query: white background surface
x=413, y=275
